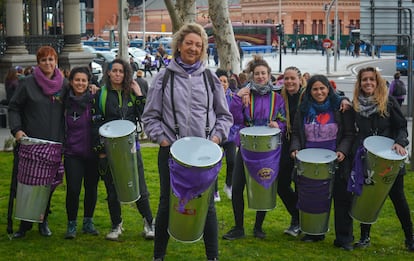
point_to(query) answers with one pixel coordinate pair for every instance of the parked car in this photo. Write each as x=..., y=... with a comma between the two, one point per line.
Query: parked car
x=97, y=70
x=138, y=55
x=104, y=58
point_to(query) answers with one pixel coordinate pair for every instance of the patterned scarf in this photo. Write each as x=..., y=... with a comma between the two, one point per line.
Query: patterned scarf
x=316, y=108
x=49, y=86
x=367, y=106
x=261, y=89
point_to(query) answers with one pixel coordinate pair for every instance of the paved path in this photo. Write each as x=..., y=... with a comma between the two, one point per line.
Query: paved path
x=307, y=61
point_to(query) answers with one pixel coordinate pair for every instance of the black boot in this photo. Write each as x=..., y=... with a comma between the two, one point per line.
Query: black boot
x=409, y=243
x=365, y=240
x=23, y=228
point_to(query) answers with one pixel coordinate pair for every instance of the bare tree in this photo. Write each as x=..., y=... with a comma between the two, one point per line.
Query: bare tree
x=185, y=11
x=224, y=36
x=182, y=12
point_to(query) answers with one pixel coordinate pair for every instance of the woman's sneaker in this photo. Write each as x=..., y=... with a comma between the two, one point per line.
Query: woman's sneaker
x=293, y=230
x=227, y=190
x=115, y=232
x=149, y=229
x=217, y=197
x=363, y=243
x=234, y=233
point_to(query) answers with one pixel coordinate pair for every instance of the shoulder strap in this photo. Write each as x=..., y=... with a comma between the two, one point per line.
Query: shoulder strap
x=165, y=78
x=210, y=79
x=102, y=99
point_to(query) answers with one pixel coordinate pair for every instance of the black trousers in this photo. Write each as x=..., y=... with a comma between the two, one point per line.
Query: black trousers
x=342, y=199
x=237, y=199
x=287, y=194
x=76, y=170
x=115, y=206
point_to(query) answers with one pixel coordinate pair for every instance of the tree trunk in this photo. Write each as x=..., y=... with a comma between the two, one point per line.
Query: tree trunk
x=184, y=11
x=224, y=37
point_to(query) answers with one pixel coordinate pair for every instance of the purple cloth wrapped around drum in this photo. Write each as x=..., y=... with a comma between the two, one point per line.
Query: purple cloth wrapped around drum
x=262, y=166
x=320, y=201
x=189, y=182
x=40, y=164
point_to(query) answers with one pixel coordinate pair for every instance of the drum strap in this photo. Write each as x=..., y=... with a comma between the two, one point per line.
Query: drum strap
x=250, y=119
x=170, y=74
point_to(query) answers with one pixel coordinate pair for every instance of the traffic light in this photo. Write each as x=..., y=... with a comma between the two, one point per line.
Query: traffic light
x=279, y=29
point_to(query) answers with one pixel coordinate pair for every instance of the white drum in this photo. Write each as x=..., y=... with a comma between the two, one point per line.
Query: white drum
x=383, y=166
x=188, y=225
x=260, y=138
x=318, y=166
x=120, y=146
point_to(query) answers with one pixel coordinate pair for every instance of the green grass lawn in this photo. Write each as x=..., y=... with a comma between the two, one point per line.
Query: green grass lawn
x=387, y=236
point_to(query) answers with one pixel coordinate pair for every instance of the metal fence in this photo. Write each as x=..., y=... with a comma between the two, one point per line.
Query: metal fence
x=34, y=42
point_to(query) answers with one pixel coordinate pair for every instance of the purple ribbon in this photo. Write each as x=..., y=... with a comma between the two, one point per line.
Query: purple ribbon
x=189, y=182
x=262, y=166
x=357, y=177
x=314, y=196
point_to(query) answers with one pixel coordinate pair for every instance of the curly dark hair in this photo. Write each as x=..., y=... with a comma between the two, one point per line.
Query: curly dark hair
x=126, y=82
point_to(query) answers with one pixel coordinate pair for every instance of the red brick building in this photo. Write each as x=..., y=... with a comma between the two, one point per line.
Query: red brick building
x=309, y=16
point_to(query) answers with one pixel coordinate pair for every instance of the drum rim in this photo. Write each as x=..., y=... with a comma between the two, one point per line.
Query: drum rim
x=105, y=134
x=198, y=139
x=369, y=141
x=274, y=131
x=314, y=150
x=33, y=141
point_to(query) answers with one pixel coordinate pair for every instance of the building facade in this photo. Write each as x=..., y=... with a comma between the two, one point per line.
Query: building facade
x=309, y=16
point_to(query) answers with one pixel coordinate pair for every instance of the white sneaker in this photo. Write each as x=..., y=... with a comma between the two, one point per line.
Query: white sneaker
x=149, y=230
x=227, y=190
x=217, y=197
x=115, y=232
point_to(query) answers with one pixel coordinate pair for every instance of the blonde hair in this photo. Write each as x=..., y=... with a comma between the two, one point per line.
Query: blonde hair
x=183, y=32
x=380, y=96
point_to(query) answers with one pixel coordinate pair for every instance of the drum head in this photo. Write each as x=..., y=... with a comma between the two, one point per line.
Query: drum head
x=196, y=152
x=315, y=155
x=259, y=131
x=34, y=141
x=381, y=147
x=116, y=128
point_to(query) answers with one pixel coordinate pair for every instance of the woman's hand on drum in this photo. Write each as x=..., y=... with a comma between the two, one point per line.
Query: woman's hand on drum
x=340, y=156
x=19, y=135
x=165, y=143
x=215, y=139
x=293, y=154
x=399, y=149
x=273, y=124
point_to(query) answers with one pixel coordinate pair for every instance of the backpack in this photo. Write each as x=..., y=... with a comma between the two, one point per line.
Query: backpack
x=399, y=88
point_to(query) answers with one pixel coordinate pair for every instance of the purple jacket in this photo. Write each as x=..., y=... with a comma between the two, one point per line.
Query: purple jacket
x=261, y=112
x=190, y=101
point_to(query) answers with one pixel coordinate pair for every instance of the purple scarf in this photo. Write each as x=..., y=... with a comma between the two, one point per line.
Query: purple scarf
x=189, y=68
x=49, y=86
x=356, y=180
